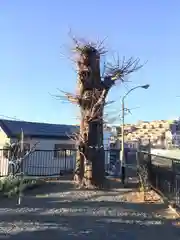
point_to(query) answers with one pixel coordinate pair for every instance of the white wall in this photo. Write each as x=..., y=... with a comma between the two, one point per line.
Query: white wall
x=44, y=144
x=107, y=136
x=3, y=138
x=3, y=162
x=44, y=163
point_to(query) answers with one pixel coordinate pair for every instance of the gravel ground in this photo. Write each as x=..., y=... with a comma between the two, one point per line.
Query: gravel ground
x=59, y=211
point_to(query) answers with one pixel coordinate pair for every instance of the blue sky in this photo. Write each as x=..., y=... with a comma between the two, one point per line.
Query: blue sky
x=35, y=50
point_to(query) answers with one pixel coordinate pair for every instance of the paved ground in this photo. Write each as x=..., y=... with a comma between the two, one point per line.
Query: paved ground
x=59, y=211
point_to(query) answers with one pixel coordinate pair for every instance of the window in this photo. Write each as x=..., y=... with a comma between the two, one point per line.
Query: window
x=63, y=150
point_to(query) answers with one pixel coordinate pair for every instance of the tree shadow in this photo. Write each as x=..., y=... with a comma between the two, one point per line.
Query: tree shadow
x=126, y=225
x=62, y=214
x=60, y=193
x=66, y=184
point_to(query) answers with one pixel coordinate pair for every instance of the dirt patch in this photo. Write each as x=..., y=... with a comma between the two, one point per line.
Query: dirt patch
x=140, y=197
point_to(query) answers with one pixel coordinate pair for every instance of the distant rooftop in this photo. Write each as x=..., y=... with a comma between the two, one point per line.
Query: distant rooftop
x=33, y=129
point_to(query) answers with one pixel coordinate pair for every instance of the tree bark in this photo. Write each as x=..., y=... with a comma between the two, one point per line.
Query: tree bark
x=90, y=158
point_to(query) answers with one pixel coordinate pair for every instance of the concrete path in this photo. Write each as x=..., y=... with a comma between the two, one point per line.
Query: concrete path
x=58, y=211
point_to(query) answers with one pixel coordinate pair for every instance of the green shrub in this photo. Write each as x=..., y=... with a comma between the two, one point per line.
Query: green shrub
x=11, y=185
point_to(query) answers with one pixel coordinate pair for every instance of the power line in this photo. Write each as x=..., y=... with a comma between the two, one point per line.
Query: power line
x=12, y=118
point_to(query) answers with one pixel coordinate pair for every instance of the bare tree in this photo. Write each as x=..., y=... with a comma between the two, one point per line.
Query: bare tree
x=91, y=93
x=17, y=152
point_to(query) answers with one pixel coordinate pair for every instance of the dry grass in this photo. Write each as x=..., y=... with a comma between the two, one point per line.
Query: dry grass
x=141, y=197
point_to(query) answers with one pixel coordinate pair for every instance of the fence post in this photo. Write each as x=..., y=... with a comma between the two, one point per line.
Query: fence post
x=149, y=163
x=175, y=176
x=157, y=182
x=149, y=151
x=177, y=191
x=65, y=160
x=138, y=153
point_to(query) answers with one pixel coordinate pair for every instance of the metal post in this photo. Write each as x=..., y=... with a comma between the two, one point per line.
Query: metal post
x=20, y=195
x=122, y=146
x=122, y=158
x=22, y=150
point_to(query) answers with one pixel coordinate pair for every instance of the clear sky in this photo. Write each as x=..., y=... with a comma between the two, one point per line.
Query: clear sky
x=35, y=50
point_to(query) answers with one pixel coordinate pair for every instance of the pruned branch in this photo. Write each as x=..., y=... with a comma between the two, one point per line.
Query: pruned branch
x=85, y=159
x=80, y=43
x=109, y=103
x=84, y=47
x=16, y=155
x=98, y=105
x=110, y=118
x=73, y=98
x=122, y=68
x=76, y=137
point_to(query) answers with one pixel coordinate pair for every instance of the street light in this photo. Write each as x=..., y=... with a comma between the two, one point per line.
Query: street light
x=122, y=159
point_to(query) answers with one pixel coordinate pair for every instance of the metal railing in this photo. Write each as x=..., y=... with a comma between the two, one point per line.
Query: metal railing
x=46, y=162
x=163, y=175
x=54, y=162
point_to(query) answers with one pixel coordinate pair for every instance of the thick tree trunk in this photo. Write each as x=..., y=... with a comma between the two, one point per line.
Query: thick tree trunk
x=96, y=152
x=90, y=158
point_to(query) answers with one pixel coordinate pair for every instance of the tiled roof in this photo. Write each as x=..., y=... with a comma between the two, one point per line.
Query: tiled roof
x=33, y=129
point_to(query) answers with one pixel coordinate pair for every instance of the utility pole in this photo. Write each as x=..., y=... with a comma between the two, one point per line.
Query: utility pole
x=122, y=155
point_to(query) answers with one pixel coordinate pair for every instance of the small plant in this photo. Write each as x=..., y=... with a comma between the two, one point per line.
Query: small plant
x=142, y=173
x=16, y=182
x=11, y=186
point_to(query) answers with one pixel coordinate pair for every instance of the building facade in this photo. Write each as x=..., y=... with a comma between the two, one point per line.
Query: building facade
x=54, y=152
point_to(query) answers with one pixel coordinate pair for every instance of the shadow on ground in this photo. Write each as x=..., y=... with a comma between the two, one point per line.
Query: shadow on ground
x=63, y=191
x=57, y=210
x=124, y=223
